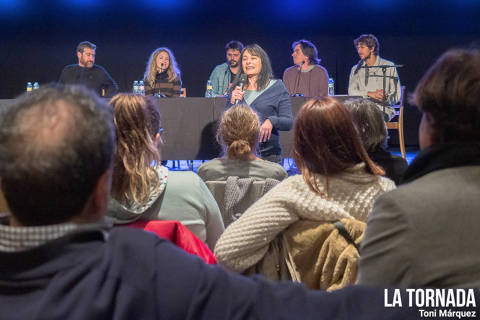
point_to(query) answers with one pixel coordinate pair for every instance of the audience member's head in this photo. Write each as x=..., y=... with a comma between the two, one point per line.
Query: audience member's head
x=238, y=132
x=326, y=141
x=308, y=49
x=368, y=40
x=449, y=97
x=261, y=69
x=162, y=60
x=370, y=123
x=56, y=148
x=137, y=126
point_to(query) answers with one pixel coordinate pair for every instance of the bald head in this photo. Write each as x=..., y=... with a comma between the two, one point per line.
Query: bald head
x=54, y=146
x=43, y=128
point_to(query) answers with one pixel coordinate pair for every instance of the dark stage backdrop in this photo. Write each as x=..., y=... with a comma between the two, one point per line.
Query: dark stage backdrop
x=39, y=38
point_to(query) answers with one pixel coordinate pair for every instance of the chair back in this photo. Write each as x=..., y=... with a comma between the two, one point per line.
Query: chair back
x=397, y=122
x=236, y=195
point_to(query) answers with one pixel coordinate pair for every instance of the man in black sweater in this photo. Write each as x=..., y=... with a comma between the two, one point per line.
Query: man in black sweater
x=86, y=72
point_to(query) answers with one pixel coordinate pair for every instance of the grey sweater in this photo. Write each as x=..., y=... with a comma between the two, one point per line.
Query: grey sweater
x=219, y=169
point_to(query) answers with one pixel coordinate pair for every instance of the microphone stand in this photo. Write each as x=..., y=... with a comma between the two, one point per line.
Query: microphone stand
x=297, y=81
x=159, y=94
x=384, y=77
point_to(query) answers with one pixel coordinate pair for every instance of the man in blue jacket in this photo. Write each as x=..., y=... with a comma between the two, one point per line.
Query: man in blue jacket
x=59, y=258
x=223, y=74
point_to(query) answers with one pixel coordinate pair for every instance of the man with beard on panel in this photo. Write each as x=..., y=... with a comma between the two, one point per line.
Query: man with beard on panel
x=223, y=74
x=86, y=72
x=366, y=77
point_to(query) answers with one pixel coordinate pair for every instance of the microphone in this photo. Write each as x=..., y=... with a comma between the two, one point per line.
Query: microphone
x=161, y=67
x=241, y=82
x=297, y=80
x=358, y=66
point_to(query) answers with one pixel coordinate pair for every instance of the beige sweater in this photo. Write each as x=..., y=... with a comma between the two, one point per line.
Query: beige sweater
x=350, y=195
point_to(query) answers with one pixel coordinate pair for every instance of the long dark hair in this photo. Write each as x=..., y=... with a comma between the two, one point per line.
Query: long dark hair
x=266, y=72
x=326, y=142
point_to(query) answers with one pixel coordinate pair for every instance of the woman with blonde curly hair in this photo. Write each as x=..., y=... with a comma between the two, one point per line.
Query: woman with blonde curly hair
x=238, y=134
x=338, y=180
x=143, y=189
x=162, y=77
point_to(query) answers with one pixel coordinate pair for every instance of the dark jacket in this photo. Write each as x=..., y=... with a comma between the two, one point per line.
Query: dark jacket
x=131, y=274
x=393, y=165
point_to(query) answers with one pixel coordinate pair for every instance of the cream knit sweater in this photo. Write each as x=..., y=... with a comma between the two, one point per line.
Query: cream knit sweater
x=350, y=195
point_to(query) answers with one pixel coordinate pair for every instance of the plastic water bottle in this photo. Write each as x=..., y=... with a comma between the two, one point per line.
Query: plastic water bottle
x=36, y=86
x=135, y=86
x=141, y=88
x=209, y=92
x=29, y=86
x=331, y=87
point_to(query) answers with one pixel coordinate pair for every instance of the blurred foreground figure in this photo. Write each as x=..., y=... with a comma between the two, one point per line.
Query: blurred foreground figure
x=424, y=234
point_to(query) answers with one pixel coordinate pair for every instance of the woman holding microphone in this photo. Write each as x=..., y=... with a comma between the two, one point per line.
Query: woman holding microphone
x=267, y=96
x=162, y=77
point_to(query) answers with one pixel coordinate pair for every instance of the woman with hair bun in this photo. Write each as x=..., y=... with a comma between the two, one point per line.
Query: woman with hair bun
x=238, y=134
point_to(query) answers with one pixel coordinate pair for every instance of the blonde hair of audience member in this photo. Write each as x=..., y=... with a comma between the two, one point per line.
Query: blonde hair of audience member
x=137, y=124
x=238, y=132
x=327, y=143
x=173, y=72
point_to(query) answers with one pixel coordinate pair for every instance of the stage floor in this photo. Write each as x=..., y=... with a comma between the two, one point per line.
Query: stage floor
x=411, y=154
x=288, y=164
